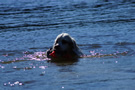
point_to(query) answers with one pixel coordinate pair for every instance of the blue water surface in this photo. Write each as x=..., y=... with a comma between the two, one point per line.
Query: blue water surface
x=105, y=27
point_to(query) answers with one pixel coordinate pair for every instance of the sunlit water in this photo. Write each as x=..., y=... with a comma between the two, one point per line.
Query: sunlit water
x=103, y=29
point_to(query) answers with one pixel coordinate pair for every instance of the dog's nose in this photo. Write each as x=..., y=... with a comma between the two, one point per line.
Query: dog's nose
x=57, y=46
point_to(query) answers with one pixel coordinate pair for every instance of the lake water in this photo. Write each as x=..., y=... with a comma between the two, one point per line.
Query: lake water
x=105, y=27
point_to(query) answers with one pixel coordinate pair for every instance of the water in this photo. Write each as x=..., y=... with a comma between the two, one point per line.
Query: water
x=105, y=27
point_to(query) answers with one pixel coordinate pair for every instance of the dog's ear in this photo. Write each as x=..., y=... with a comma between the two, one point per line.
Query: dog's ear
x=76, y=50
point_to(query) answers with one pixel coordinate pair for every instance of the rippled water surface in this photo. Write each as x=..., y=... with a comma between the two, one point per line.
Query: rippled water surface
x=100, y=27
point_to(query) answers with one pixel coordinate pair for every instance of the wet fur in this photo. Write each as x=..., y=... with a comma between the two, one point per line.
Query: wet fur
x=65, y=44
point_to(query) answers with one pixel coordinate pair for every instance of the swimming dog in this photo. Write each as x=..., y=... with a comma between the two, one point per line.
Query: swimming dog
x=64, y=47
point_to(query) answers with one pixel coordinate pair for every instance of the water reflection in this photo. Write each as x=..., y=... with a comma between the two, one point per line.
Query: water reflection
x=63, y=62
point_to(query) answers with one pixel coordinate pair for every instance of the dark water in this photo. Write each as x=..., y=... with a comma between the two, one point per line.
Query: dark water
x=106, y=27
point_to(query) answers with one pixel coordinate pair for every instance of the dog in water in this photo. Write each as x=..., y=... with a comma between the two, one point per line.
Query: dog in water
x=64, y=47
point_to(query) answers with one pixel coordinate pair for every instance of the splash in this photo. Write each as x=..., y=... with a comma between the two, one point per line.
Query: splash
x=39, y=56
x=99, y=54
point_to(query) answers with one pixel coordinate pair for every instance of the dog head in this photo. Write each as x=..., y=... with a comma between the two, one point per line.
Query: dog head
x=64, y=44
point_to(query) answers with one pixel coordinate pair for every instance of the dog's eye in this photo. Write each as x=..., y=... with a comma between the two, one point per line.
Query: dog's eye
x=64, y=42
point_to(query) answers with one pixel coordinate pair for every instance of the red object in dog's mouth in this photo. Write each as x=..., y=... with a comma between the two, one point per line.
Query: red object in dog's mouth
x=53, y=54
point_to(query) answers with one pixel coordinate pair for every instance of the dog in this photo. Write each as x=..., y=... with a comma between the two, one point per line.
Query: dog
x=64, y=47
